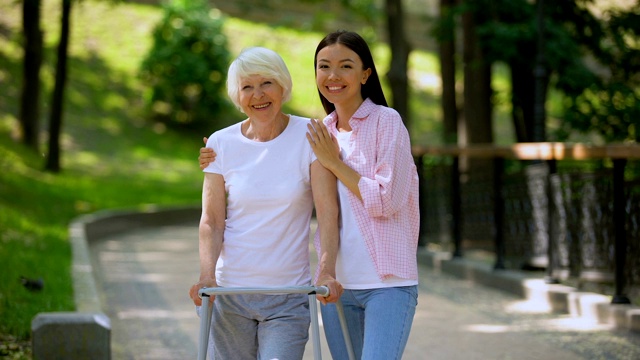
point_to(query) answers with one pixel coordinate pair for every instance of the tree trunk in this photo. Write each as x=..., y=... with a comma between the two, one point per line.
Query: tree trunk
x=541, y=79
x=477, y=129
x=57, y=101
x=477, y=87
x=400, y=49
x=30, y=97
x=447, y=48
x=522, y=100
x=529, y=82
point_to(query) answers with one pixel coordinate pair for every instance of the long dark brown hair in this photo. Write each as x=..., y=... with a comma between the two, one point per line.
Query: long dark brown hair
x=372, y=89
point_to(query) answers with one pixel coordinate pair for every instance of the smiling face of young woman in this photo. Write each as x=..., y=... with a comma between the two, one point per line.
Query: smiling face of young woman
x=340, y=75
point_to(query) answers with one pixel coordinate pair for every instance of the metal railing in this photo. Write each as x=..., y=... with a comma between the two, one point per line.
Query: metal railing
x=566, y=209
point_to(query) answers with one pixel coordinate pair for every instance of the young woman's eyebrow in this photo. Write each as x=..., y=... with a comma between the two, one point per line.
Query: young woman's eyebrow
x=341, y=61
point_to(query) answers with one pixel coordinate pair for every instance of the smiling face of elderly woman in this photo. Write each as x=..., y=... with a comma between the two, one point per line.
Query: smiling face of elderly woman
x=262, y=72
x=260, y=97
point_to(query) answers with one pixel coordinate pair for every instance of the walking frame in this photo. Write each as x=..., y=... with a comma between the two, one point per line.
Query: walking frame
x=311, y=291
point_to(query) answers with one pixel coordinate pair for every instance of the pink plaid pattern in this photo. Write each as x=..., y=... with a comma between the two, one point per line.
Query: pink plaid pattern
x=388, y=216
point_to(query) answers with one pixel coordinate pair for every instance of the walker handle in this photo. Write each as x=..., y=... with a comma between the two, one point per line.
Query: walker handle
x=309, y=290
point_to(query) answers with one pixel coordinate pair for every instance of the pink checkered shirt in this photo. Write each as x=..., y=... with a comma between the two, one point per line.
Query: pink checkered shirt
x=388, y=215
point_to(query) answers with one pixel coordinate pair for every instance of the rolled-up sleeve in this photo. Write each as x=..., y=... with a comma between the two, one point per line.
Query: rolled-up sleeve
x=387, y=190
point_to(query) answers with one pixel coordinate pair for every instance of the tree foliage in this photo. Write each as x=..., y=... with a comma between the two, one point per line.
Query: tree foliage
x=593, y=60
x=610, y=104
x=186, y=67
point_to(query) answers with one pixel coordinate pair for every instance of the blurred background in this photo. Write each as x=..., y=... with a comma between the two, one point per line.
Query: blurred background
x=104, y=103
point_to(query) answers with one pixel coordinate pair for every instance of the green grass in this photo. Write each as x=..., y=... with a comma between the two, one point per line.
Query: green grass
x=112, y=157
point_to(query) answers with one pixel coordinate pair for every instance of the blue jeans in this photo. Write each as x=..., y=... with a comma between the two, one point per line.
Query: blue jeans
x=379, y=322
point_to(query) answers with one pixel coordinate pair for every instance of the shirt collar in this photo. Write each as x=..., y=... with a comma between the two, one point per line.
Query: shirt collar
x=364, y=110
x=362, y=113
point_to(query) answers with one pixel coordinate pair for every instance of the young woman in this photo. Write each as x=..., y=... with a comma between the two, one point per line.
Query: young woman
x=366, y=146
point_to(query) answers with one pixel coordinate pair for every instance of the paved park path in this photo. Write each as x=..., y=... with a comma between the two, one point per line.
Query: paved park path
x=144, y=275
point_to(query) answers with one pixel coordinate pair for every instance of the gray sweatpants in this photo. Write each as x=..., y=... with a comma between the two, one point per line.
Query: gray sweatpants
x=263, y=327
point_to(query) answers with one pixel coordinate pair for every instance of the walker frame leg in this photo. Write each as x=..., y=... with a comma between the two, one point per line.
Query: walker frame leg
x=205, y=327
x=315, y=328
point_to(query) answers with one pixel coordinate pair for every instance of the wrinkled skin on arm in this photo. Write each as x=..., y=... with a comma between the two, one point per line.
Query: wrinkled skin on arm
x=211, y=233
x=325, y=196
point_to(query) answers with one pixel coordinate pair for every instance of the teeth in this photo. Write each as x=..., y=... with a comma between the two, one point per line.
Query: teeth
x=335, y=87
x=261, y=106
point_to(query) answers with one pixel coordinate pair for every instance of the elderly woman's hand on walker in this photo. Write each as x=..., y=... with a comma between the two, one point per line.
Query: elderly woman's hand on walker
x=195, y=288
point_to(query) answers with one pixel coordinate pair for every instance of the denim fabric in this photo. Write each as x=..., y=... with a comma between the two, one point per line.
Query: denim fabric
x=379, y=322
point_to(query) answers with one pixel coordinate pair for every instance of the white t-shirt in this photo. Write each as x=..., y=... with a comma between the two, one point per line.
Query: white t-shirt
x=351, y=273
x=269, y=207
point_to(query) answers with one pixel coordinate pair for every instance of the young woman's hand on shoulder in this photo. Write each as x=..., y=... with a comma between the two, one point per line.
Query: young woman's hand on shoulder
x=323, y=144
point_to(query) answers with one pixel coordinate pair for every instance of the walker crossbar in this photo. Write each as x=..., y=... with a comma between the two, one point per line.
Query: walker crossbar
x=309, y=290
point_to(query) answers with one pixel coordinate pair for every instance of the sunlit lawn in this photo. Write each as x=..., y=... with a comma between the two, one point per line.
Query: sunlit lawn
x=112, y=157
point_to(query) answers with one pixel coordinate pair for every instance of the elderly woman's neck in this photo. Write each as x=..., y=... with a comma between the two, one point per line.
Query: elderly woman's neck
x=263, y=131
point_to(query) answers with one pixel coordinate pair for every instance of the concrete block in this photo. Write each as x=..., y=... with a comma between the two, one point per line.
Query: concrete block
x=633, y=319
x=618, y=315
x=70, y=336
x=432, y=259
x=504, y=280
x=573, y=303
x=605, y=314
x=585, y=305
x=536, y=290
x=559, y=297
x=456, y=267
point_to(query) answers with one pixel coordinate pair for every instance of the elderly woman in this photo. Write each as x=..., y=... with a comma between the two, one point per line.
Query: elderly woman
x=257, y=203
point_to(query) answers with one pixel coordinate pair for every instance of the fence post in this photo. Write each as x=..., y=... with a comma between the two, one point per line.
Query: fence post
x=551, y=241
x=619, y=220
x=498, y=212
x=456, y=221
x=422, y=202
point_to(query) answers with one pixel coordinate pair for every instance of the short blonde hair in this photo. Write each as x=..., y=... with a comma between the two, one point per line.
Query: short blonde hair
x=258, y=61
